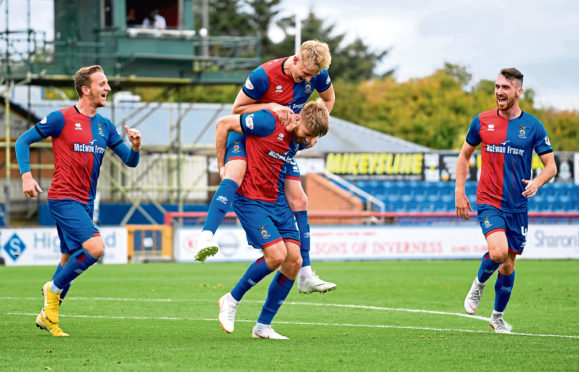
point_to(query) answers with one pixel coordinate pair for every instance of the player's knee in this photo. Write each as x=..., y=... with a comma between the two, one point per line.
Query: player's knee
x=95, y=246
x=275, y=259
x=498, y=255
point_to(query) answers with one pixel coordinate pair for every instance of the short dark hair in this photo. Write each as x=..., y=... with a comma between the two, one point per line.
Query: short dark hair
x=82, y=77
x=512, y=73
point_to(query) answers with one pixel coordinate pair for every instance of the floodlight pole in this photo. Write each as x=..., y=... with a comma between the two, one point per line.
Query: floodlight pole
x=298, y=38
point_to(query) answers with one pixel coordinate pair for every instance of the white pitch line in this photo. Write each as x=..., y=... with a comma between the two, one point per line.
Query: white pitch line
x=124, y=299
x=301, y=323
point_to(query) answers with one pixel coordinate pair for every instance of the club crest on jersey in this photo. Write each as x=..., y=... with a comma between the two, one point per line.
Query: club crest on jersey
x=491, y=128
x=487, y=223
x=249, y=121
x=236, y=148
x=101, y=133
x=248, y=84
x=77, y=126
x=307, y=88
x=264, y=233
x=522, y=133
x=280, y=137
x=278, y=89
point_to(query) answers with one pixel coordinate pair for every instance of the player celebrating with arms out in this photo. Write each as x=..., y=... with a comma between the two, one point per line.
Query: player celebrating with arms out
x=261, y=206
x=282, y=86
x=80, y=137
x=507, y=136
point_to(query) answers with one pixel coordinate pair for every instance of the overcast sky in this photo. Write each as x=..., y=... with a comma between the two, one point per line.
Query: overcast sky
x=541, y=38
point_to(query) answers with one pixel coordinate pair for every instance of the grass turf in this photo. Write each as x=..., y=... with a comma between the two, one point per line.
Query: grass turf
x=163, y=316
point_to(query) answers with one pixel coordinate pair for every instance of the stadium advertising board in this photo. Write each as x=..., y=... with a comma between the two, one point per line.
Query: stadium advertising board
x=430, y=166
x=41, y=246
x=390, y=243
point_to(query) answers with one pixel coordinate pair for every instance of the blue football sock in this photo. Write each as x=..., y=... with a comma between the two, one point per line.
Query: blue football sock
x=487, y=268
x=66, y=287
x=304, y=227
x=503, y=289
x=255, y=272
x=76, y=265
x=278, y=291
x=220, y=204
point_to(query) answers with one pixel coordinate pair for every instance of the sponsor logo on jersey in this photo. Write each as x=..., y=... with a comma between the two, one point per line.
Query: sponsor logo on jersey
x=248, y=84
x=264, y=233
x=77, y=126
x=307, y=88
x=284, y=158
x=297, y=107
x=505, y=150
x=90, y=148
x=279, y=89
x=491, y=128
x=522, y=133
x=43, y=121
x=249, y=121
x=547, y=142
x=328, y=80
x=504, y=143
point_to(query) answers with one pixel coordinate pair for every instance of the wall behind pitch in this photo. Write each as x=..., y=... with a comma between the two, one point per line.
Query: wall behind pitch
x=41, y=246
x=389, y=243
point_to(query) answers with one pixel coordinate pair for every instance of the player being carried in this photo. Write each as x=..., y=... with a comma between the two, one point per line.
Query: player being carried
x=80, y=137
x=261, y=206
x=282, y=86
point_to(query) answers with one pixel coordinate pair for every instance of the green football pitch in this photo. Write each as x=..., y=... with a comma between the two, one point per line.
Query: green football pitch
x=384, y=315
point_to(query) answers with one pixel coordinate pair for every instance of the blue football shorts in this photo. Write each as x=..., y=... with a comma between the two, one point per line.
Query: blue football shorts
x=73, y=223
x=514, y=224
x=235, y=147
x=266, y=223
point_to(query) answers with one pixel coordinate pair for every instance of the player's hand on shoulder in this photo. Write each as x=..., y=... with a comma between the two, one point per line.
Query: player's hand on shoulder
x=284, y=114
x=29, y=185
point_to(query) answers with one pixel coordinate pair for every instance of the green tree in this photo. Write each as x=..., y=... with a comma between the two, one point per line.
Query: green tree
x=353, y=61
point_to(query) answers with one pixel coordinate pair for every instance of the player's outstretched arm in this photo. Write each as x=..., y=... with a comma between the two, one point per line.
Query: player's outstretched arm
x=461, y=202
x=22, y=146
x=549, y=171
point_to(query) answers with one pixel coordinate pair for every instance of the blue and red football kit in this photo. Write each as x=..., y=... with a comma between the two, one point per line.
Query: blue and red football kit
x=506, y=152
x=78, y=143
x=261, y=205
